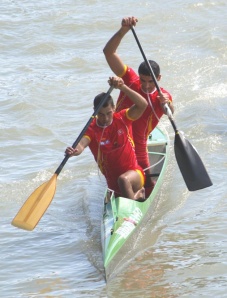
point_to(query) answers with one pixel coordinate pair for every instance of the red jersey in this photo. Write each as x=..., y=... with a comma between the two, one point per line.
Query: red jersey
x=143, y=126
x=113, y=148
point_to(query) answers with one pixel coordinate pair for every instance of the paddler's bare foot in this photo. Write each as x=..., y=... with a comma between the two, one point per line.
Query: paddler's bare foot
x=140, y=195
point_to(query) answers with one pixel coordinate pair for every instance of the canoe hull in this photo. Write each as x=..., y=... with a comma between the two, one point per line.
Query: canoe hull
x=123, y=218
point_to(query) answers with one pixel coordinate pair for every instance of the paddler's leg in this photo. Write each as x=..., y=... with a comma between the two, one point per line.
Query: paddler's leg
x=130, y=183
x=140, y=195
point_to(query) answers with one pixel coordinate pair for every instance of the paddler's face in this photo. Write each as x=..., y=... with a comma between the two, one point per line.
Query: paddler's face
x=105, y=115
x=147, y=83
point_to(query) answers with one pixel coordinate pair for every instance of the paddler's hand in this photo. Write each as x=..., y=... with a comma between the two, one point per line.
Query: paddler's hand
x=164, y=99
x=128, y=22
x=71, y=151
x=116, y=82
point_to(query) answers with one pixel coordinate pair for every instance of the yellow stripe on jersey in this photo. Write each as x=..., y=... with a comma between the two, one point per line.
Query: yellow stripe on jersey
x=124, y=71
x=141, y=176
x=87, y=137
x=132, y=119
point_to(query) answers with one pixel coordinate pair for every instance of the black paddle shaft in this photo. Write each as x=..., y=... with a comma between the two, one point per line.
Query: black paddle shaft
x=102, y=102
x=145, y=59
x=168, y=111
x=188, y=159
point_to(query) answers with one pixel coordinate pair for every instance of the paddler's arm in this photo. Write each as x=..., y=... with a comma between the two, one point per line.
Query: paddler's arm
x=84, y=142
x=112, y=58
x=140, y=103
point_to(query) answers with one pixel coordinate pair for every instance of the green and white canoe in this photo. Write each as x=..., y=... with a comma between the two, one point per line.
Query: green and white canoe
x=123, y=217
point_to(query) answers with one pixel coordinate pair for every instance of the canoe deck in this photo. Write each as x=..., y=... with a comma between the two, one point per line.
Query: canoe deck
x=121, y=216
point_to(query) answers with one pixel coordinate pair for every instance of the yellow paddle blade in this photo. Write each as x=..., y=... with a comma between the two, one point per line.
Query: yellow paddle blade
x=35, y=206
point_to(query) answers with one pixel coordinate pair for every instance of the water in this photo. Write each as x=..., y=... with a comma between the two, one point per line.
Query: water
x=52, y=66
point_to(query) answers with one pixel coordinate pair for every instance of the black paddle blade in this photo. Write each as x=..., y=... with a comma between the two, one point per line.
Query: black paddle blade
x=190, y=164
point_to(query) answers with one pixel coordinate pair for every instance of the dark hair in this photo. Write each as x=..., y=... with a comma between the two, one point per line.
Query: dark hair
x=99, y=98
x=144, y=70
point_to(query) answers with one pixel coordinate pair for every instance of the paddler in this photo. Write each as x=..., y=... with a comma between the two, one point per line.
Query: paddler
x=144, y=85
x=109, y=137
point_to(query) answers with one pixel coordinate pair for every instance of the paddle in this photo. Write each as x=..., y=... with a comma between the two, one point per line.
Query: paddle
x=35, y=206
x=188, y=159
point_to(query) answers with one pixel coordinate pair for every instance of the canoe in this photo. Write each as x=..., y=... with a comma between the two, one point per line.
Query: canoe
x=122, y=217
